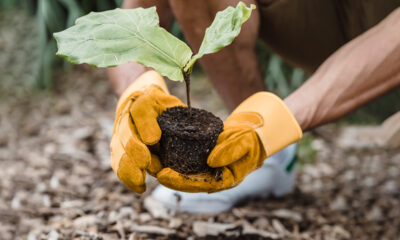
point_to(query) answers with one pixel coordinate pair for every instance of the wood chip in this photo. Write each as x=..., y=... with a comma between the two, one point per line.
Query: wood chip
x=288, y=214
x=248, y=229
x=85, y=221
x=279, y=227
x=203, y=229
x=152, y=229
x=155, y=208
x=175, y=223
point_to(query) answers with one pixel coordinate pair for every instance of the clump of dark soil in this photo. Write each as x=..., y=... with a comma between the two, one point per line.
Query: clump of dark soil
x=186, y=141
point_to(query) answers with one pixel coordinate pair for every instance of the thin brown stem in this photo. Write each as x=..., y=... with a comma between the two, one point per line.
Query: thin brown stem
x=186, y=76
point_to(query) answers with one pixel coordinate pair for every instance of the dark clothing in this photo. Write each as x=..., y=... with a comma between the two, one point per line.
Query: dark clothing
x=306, y=32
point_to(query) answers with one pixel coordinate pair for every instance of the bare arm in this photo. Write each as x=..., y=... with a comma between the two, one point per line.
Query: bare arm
x=123, y=75
x=360, y=71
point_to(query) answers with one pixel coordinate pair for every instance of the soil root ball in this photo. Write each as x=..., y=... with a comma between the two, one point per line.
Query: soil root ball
x=186, y=141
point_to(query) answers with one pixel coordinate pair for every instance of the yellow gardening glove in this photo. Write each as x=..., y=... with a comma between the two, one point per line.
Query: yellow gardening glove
x=259, y=127
x=136, y=128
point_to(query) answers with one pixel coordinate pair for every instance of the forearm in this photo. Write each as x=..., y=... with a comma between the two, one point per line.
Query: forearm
x=360, y=71
x=122, y=76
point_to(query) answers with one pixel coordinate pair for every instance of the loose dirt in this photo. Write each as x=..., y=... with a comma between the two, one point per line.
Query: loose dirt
x=187, y=140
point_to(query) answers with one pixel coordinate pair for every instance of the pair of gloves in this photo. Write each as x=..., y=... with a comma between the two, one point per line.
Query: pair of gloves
x=256, y=129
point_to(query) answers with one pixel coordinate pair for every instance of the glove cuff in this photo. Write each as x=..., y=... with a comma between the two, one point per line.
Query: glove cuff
x=146, y=79
x=277, y=127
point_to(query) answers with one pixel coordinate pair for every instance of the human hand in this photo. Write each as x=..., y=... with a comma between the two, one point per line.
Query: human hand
x=136, y=129
x=257, y=128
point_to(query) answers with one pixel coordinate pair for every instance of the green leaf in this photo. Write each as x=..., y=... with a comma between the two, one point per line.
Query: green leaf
x=110, y=38
x=223, y=30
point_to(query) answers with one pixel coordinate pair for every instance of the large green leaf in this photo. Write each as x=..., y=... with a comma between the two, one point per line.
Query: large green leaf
x=110, y=38
x=225, y=27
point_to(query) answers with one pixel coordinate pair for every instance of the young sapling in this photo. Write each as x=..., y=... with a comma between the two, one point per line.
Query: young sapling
x=114, y=37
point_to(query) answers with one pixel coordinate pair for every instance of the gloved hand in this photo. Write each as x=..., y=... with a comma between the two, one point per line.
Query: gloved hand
x=259, y=127
x=136, y=129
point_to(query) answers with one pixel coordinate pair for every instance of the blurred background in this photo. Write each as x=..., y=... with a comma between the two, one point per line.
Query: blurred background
x=29, y=61
x=56, y=122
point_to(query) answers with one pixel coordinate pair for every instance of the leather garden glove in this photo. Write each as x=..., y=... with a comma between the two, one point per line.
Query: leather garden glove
x=136, y=129
x=259, y=127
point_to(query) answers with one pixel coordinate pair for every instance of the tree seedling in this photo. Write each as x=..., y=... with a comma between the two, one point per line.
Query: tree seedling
x=111, y=38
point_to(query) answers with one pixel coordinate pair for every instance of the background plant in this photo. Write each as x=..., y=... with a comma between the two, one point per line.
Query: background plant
x=53, y=16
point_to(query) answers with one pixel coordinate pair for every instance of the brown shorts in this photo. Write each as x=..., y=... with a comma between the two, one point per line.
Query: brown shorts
x=306, y=32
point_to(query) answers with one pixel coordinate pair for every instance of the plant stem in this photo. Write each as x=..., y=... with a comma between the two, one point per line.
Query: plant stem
x=186, y=76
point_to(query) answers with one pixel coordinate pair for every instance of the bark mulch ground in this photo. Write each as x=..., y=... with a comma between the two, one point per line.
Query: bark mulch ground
x=56, y=182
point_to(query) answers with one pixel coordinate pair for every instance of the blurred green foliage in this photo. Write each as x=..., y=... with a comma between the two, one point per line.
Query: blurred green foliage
x=10, y=4
x=376, y=111
x=306, y=153
x=53, y=16
x=280, y=77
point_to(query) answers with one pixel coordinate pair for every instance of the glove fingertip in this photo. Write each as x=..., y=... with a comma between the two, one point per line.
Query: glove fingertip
x=138, y=189
x=155, y=165
x=231, y=150
x=150, y=135
x=213, y=159
x=132, y=186
x=133, y=177
x=173, y=180
x=165, y=174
